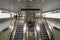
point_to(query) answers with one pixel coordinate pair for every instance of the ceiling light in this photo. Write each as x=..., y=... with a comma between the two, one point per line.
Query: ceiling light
x=43, y=0
x=30, y=0
x=19, y=0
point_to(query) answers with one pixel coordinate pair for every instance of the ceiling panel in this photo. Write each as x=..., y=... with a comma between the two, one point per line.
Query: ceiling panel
x=45, y=5
x=14, y=5
x=48, y=5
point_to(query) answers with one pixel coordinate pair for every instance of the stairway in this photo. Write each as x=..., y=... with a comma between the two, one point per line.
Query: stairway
x=31, y=35
x=43, y=32
x=19, y=33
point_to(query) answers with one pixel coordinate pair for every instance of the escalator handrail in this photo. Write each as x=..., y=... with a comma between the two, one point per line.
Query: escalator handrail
x=50, y=33
x=14, y=30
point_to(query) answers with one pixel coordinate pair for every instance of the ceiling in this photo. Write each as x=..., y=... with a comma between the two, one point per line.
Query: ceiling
x=15, y=5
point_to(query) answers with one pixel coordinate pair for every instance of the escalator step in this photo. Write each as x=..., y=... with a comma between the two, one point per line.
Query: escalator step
x=43, y=35
x=45, y=38
x=18, y=38
x=19, y=33
x=19, y=30
x=43, y=32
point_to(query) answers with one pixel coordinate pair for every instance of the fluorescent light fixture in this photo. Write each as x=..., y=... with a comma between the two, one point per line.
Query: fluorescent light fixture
x=19, y=0
x=43, y=0
x=30, y=0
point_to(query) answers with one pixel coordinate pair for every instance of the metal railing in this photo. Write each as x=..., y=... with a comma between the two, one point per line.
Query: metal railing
x=13, y=31
x=50, y=34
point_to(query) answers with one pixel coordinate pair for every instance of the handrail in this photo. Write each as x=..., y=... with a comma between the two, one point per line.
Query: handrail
x=49, y=31
x=13, y=32
x=35, y=32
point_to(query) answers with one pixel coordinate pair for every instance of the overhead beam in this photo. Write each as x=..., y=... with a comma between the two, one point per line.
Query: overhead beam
x=30, y=9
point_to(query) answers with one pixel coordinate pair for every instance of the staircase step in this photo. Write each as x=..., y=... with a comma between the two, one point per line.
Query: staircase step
x=44, y=35
x=45, y=38
x=43, y=32
x=19, y=33
x=17, y=39
x=19, y=30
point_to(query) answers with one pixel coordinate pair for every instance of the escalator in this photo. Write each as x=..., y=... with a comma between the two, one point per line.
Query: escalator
x=31, y=33
x=19, y=33
x=43, y=32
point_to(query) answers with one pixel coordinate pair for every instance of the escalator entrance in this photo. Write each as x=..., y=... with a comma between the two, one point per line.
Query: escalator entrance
x=31, y=32
x=31, y=23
